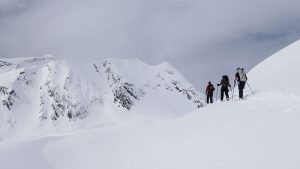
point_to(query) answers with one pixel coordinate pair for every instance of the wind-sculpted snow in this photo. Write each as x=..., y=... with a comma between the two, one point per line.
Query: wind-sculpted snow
x=45, y=94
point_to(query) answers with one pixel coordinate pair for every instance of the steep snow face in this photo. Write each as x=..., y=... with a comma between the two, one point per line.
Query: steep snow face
x=278, y=73
x=45, y=94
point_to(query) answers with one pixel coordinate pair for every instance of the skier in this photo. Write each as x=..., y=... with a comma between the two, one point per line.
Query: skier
x=209, y=92
x=241, y=78
x=224, y=89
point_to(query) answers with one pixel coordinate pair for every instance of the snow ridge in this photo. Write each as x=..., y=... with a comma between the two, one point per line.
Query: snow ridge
x=46, y=94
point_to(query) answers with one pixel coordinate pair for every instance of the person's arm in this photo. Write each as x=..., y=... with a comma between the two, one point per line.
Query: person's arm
x=237, y=77
x=219, y=83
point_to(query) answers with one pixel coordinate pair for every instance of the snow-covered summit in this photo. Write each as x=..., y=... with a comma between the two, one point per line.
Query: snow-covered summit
x=47, y=94
x=7, y=64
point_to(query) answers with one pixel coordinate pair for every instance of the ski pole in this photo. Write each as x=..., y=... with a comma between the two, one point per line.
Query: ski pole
x=233, y=89
x=250, y=87
x=217, y=93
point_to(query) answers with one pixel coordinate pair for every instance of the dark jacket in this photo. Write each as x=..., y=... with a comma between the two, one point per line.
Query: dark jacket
x=210, y=89
x=224, y=83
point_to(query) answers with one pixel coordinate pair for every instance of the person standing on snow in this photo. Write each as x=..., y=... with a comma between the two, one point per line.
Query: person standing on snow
x=224, y=89
x=241, y=78
x=209, y=92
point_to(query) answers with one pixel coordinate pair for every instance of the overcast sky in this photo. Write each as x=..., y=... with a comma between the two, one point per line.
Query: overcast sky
x=203, y=39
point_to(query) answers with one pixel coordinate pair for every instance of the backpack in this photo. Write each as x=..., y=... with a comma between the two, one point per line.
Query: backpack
x=212, y=88
x=225, y=81
x=242, y=76
x=225, y=77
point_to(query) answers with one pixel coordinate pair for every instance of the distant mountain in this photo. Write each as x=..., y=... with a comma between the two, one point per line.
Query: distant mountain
x=46, y=94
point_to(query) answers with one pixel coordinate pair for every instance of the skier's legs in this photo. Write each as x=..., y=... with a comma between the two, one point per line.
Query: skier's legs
x=226, y=93
x=240, y=93
x=207, y=98
x=222, y=94
x=241, y=88
x=211, y=98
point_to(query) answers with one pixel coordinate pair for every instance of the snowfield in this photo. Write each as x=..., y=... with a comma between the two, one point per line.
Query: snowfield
x=260, y=132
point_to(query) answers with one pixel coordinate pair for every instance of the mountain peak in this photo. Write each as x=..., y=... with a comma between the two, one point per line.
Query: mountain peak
x=51, y=94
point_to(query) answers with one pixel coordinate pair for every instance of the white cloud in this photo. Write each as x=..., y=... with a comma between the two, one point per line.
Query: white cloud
x=183, y=32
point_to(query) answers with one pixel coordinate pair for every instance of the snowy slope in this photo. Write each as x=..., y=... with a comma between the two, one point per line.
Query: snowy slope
x=249, y=135
x=40, y=95
x=279, y=72
x=261, y=132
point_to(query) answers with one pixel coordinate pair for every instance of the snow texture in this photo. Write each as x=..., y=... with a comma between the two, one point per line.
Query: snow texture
x=260, y=132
